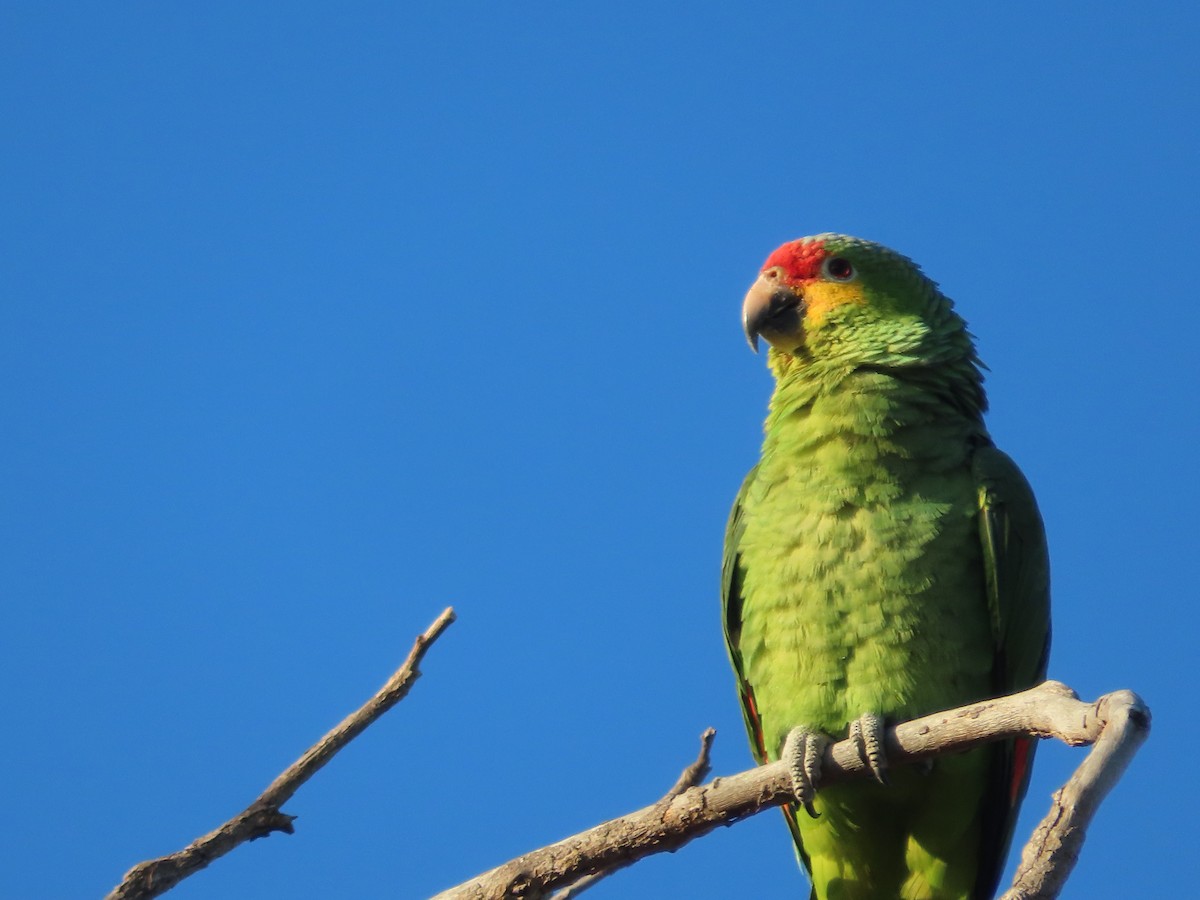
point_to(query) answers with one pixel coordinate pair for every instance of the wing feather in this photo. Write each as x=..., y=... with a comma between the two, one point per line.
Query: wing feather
x=1017, y=572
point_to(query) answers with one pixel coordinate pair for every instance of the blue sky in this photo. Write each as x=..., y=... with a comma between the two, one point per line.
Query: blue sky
x=320, y=317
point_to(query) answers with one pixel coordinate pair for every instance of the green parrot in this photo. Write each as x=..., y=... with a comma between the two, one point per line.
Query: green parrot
x=883, y=561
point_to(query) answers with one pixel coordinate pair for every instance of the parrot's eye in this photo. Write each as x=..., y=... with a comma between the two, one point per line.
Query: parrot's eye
x=837, y=268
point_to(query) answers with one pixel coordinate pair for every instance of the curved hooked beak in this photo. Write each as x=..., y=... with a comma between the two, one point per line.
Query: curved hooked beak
x=771, y=309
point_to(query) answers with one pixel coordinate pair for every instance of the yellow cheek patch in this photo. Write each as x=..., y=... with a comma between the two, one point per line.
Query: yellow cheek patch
x=821, y=297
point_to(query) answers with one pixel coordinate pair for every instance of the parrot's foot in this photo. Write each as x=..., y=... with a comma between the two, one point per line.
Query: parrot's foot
x=867, y=733
x=802, y=751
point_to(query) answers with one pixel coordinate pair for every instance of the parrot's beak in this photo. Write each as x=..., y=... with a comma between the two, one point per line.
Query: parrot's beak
x=772, y=309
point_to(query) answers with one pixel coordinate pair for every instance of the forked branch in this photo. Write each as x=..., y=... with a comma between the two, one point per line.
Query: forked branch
x=690, y=777
x=1115, y=725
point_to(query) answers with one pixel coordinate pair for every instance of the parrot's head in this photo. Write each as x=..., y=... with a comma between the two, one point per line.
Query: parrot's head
x=850, y=302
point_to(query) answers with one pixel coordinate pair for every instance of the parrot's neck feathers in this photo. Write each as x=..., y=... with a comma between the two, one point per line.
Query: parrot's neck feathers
x=886, y=397
x=918, y=365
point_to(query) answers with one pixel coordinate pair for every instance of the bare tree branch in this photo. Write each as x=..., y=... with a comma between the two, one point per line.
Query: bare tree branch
x=1052, y=851
x=1117, y=723
x=263, y=817
x=689, y=777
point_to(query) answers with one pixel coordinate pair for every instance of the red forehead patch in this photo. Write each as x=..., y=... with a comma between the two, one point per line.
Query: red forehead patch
x=800, y=260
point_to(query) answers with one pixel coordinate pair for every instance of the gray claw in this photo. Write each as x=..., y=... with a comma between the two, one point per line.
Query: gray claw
x=867, y=733
x=802, y=751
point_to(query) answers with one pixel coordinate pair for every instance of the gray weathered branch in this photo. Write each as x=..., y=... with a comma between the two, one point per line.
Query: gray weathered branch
x=690, y=777
x=1116, y=724
x=263, y=817
x=1051, y=853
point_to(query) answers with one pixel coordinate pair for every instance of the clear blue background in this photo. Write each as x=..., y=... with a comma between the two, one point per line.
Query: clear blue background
x=317, y=318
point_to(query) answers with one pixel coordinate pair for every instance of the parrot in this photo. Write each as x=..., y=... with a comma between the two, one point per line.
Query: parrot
x=883, y=561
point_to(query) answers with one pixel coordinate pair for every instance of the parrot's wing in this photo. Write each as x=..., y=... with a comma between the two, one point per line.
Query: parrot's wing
x=731, y=618
x=1017, y=572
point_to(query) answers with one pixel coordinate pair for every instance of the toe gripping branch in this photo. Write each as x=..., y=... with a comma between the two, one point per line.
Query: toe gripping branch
x=804, y=748
x=802, y=751
x=867, y=732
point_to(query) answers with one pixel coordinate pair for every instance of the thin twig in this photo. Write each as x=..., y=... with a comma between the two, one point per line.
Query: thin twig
x=698, y=770
x=1049, y=710
x=689, y=777
x=263, y=817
